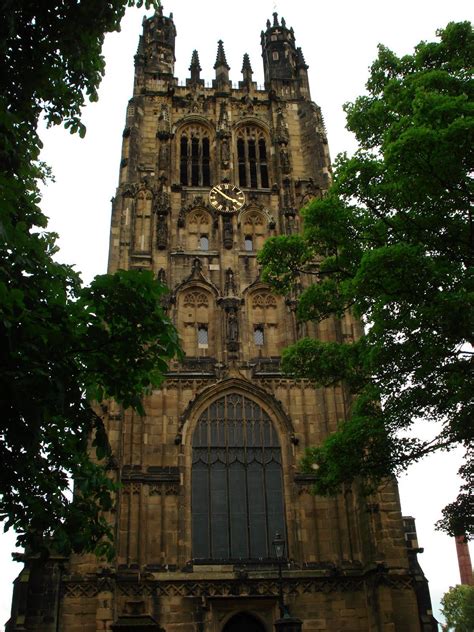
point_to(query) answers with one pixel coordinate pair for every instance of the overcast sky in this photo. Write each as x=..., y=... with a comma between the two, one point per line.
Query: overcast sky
x=339, y=41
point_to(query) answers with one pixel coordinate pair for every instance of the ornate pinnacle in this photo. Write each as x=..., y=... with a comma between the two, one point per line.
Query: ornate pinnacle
x=195, y=65
x=300, y=61
x=275, y=19
x=220, y=59
x=246, y=67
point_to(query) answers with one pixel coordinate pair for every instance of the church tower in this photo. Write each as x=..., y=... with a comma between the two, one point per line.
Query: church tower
x=216, y=528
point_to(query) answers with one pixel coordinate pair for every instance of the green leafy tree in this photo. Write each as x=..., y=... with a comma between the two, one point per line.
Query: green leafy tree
x=392, y=242
x=457, y=606
x=61, y=344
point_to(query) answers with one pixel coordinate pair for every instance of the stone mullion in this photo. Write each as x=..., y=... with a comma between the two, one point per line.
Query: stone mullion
x=257, y=162
x=189, y=160
x=247, y=161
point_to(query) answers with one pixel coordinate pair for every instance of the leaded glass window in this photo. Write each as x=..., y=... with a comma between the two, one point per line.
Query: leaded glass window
x=258, y=335
x=204, y=242
x=237, y=489
x=202, y=336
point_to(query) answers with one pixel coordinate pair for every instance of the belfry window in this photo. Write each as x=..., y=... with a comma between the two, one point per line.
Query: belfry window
x=252, y=158
x=237, y=489
x=195, y=157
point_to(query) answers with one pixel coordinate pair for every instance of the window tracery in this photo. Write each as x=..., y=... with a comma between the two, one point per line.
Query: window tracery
x=198, y=230
x=264, y=323
x=254, y=229
x=194, y=323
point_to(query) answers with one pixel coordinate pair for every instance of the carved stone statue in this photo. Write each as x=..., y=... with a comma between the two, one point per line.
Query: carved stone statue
x=232, y=327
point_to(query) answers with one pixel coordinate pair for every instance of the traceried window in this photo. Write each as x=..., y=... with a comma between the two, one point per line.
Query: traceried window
x=195, y=157
x=142, y=224
x=264, y=319
x=252, y=158
x=194, y=322
x=237, y=489
x=198, y=227
x=254, y=226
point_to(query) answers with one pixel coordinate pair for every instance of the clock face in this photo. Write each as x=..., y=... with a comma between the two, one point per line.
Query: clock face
x=226, y=198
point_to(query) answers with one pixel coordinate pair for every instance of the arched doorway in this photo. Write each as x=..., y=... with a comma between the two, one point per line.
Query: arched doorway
x=243, y=622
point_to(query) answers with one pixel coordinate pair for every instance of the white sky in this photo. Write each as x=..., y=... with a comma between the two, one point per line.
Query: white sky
x=339, y=40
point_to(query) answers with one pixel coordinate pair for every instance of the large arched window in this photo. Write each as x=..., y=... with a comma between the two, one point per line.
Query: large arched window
x=252, y=158
x=237, y=490
x=195, y=157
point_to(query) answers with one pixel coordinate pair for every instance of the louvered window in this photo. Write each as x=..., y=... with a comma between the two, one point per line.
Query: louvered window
x=195, y=157
x=252, y=158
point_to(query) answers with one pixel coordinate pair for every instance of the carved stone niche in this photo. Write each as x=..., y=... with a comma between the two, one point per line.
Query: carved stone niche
x=228, y=233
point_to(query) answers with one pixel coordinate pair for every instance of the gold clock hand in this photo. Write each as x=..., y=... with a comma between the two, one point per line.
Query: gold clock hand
x=227, y=197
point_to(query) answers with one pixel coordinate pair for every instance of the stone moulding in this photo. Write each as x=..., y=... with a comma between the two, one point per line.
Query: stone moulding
x=239, y=587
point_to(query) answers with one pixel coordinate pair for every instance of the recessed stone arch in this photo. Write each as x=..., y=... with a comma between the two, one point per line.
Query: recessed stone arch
x=252, y=155
x=142, y=224
x=194, y=306
x=194, y=138
x=199, y=229
x=244, y=620
x=237, y=498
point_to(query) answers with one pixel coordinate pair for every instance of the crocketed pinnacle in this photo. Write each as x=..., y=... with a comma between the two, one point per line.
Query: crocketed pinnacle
x=195, y=65
x=300, y=61
x=220, y=59
x=246, y=67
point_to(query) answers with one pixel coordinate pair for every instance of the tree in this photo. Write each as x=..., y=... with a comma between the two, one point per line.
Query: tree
x=61, y=344
x=457, y=606
x=392, y=242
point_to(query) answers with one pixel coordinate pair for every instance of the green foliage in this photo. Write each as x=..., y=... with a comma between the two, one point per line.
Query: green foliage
x=61, y=344
x=457, y=606
x=393, y=243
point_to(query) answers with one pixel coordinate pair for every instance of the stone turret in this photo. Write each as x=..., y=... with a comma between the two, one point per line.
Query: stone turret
x=156, y=47
x=284, y=66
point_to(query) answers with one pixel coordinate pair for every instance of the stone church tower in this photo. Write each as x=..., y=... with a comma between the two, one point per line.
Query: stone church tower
x=210, y=477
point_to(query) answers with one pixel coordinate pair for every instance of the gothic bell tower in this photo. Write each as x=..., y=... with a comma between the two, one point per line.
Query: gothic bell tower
x=210, y=482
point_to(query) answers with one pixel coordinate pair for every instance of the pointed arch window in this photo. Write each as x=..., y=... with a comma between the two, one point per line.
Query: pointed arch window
x=264, y=318
x=237, y=485
x=254, y=226
x=252, y=158
x=194, y=153
x=198, y=230
x=194, y=323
